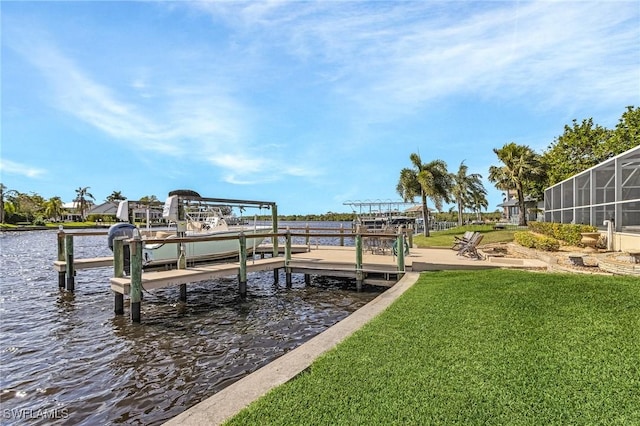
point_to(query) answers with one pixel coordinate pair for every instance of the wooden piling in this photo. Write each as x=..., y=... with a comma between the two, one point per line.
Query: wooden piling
x=359, y=272
x=341, y=235
x=68, y=257
x=307, y=237
x=118, y=257
x=242, y=278
x=274, y=228
x=183, y=293
x=118, y=272
x=287, y=258
x=135, y=292
x=61, y=257
x=400, y=253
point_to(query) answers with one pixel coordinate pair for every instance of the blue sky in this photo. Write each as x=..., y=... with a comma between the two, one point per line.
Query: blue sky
x=308, y=104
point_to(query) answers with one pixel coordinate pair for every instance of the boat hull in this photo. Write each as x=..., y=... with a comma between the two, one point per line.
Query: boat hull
x=198, y=251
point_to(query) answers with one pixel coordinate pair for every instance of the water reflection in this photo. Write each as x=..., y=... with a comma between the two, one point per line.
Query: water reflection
x=69, y=351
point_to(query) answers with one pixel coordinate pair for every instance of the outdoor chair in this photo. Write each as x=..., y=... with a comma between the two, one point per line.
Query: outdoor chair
x=461, y=241
x=470, y=249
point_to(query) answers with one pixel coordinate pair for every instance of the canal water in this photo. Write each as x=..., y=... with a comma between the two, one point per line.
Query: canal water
x=67, y=359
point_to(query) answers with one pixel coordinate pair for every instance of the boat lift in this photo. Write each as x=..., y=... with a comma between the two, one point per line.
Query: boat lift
x=380, y=214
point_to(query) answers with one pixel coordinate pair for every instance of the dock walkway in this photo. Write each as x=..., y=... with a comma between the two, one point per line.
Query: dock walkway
x=331, y=261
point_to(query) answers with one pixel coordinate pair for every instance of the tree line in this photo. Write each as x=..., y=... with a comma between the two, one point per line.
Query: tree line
x=521, y=170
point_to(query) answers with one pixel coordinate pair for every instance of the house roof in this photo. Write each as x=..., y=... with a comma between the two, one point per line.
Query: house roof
x=107, y=207
x=513, y=202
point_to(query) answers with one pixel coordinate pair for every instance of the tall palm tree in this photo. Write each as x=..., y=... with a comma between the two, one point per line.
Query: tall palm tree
x=81, y=202
x=478, y=202
x=466, y=188
x=431, y=180
x=521, y=167
x=53, y=208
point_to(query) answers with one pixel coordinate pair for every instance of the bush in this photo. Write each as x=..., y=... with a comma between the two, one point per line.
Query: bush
x=567, y=232
x=540, y=242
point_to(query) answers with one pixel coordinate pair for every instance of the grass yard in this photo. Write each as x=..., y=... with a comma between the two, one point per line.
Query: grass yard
x=445, y=238
x=488, y=347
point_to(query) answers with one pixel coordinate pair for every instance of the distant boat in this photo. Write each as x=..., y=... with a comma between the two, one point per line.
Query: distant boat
x=200, y=218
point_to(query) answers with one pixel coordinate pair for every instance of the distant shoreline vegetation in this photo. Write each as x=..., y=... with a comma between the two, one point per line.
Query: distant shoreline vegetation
x=104, y=221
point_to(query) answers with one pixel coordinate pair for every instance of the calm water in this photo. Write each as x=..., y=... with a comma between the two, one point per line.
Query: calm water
x=67, y=359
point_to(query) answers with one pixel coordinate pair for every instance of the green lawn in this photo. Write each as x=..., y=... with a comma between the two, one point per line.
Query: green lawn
x=489, y=347
x=445, y=238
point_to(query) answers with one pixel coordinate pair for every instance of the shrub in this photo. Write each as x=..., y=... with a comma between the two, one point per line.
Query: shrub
x=567, y=232
x=540, y=242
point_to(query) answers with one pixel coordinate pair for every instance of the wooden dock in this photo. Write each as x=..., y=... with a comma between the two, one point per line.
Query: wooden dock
x=361, y=262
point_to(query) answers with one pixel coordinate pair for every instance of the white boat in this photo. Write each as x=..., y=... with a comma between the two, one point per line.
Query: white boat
x=193, y=216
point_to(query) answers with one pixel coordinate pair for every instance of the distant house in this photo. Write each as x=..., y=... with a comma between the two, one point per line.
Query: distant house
x=70, y=213
x=511, y=209
x=106, y=210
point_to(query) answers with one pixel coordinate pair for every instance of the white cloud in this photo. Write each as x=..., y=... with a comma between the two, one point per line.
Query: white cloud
x=15, y=168
x=390, y=56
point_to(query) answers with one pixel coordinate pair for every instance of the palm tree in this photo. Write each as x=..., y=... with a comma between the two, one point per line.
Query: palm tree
x=521, y=167
x=81, y=202
x=431, y=180
x=466, y=188
x=478, y=202
x=115, y=196
x=53, y=208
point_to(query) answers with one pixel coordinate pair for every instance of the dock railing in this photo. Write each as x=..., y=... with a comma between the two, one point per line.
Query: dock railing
x=66, y=264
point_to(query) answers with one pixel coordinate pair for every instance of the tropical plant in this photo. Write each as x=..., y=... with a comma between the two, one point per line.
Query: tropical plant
x=431, y=180
x=521, y=167
x=479, y=201
x=575, y=150
x=149, y=199
x=53, y=208
x=625, y=136
x=81, y=202
x=5, y=194
x=115, y=196
x=467, y=190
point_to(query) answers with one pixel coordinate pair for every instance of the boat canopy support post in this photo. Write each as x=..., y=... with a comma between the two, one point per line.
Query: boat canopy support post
x=242, y=275
x=61, y=257
x=70, y=270
x=135, y=292
x=359, y=272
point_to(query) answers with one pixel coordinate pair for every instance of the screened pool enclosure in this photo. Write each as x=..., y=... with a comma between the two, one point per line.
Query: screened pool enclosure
x=608, y=191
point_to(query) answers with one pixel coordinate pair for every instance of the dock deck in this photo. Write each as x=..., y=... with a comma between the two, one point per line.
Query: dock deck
x=333, y=261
